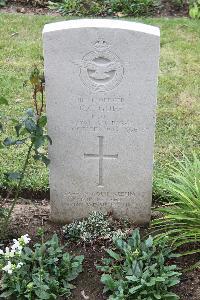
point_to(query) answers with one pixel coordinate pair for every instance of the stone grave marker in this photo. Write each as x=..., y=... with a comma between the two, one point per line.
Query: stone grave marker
x=101, y=83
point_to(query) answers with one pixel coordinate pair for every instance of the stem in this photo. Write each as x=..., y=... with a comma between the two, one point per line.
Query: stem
x=18, y=186
x=35, y=99
x=42, y=103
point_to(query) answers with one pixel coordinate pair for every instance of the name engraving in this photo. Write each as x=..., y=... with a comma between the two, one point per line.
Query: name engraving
x=102, y=113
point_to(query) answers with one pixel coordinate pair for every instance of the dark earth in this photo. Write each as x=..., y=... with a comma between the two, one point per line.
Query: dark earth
x=28, y=216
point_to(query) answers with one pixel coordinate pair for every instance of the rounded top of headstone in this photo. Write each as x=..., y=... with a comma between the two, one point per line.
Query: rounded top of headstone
x=102, y=23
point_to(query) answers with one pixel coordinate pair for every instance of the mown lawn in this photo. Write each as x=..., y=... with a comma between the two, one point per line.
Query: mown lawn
x=178, y=117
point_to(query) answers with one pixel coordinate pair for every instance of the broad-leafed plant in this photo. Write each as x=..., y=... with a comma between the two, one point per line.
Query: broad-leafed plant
x=138, y=270
x=180, y=221
x=42, y=272
x=29, y=131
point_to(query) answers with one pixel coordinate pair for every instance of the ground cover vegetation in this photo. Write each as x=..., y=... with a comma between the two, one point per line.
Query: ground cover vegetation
x=42, y=272
x=96, y=226
x=180, y=220
x=177, y=113
x=138, y=270
x=28, y=130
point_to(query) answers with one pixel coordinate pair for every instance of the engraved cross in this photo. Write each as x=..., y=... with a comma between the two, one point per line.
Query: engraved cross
x=101, y=157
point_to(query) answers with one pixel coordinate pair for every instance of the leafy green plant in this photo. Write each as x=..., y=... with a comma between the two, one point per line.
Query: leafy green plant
x=3, y=210
x=44, y=272
x=30, y=130
x=138, y=270
x=133, y=7
x=88, y=229
x=194, y=9
x=80, y=7
x=96, y=226
x=2, y=3
x=181, y=218
x=108, y=7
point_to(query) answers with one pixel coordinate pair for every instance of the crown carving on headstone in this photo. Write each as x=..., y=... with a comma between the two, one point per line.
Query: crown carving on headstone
x=101, y=44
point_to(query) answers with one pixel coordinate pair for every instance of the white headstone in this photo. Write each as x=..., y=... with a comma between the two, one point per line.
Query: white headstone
x=101, y=82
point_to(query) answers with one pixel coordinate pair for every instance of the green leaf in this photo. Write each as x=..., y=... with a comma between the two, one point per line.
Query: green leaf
x=1, y=127
x=80, y=258
x=9, y=142
x=6, y=294
x=30, y=125
x=113, y=254
x=108, y=281
x=3, y=101
x=17, y=129
x=149, y=242
x=134, y=289
x=48, y=138
x=30, y=112
x=157, y=296
x=45, y=160
x=1, y=145
x=39, y=141
x=42, y=121
x=132, y=278
x=171, y=296
x=13, y=175
x=20, y=142
x=173, y=282
x=2, y=3
x=42, y=294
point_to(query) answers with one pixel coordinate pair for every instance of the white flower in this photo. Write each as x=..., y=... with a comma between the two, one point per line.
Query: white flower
x=24, y=240
x=19, y=265
x=9, y=253
x=8, y=268
x=12, y=253
x=1, y=252
x=16, y=246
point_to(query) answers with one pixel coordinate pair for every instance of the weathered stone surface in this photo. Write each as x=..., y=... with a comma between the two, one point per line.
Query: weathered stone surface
x=101, y=82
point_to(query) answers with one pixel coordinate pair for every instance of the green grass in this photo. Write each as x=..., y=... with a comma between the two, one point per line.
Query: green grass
x=178, y=121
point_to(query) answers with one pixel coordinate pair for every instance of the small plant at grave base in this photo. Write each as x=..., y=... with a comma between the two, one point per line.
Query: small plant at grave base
x=181, y=218
x=29, y=131
x=96, y=226
x=43, y=273
x=88, y=229
x=138, y=270
x=194, y=9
